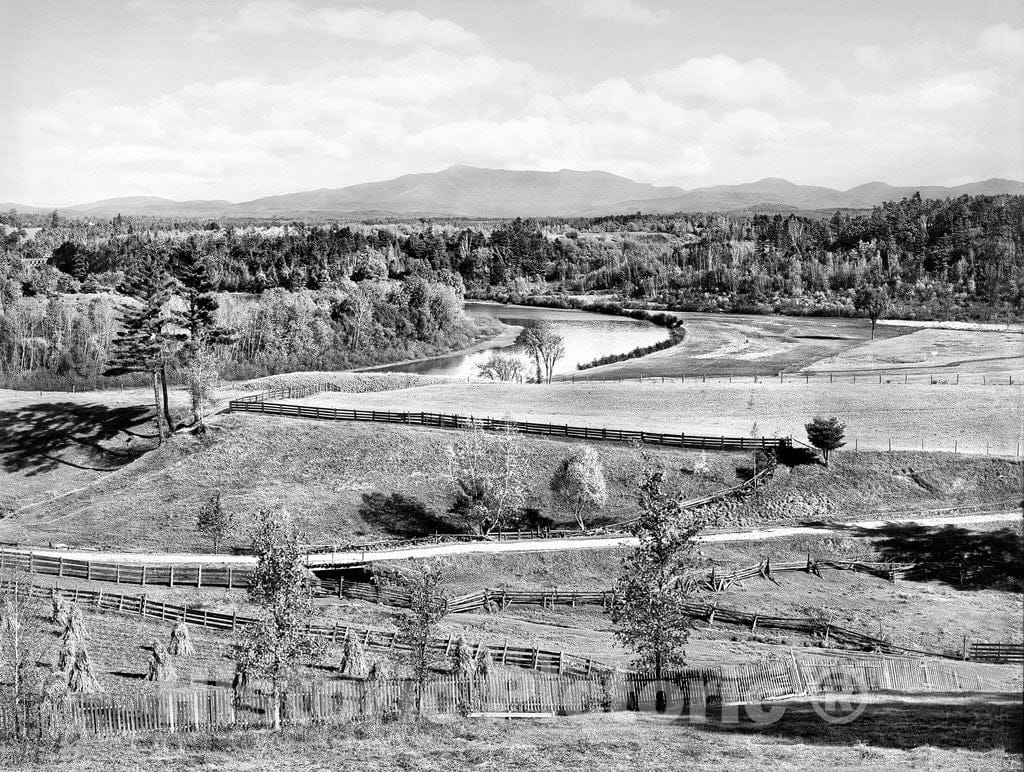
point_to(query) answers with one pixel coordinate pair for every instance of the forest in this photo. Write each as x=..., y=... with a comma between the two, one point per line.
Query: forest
x=336, y=295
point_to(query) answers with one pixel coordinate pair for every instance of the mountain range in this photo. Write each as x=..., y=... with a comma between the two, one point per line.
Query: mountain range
x=474, y=192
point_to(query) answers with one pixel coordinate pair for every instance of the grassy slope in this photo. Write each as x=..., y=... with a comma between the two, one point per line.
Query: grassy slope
x=320, y=471
x=873, y=413
x=928, y=350
x=928, y=733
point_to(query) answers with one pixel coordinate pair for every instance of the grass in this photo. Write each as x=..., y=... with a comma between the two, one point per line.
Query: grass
x=938, y=415
x=319, y=470
x=322, y=470
x=929, y=350
x=946, y=733
x=742, y=345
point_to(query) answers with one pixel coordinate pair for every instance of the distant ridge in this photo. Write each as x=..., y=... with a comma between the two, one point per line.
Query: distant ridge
x=466, y=191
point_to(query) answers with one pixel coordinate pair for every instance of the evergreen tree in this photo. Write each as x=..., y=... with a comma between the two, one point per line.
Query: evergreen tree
x=146, y=338
x=826, y=434
x=199, y=319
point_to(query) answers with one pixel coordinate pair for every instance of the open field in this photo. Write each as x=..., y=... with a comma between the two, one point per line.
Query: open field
x=745, y=344
x=973, y=417
x=929, y=350
x=55, y=442
x=932, y=732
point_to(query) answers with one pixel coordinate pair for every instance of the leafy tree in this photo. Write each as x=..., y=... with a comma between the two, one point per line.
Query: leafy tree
x=201, y=378
x=579, y=482
x=501, y=367
x=214, y=521
x=874, y=302
x=652, y=590
x=485, y=474
x=826, y=434
x=282, y=586
x=427, y=607
x=545, y=346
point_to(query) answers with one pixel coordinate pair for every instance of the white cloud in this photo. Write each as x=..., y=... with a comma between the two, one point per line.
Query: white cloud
x=1004, y=44
x=367, y=117
x=724, y=79
x=390, y=28
x=627, y=11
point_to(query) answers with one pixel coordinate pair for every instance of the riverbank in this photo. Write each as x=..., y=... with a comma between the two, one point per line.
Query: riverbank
x=505, y=336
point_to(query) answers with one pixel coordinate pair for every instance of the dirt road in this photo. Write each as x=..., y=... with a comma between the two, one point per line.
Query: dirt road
x=358, y=557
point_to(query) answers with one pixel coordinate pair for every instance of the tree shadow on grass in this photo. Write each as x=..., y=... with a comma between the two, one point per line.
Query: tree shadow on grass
x=400, y=515
x=982, y=723
x=963, y=558
x=39, y=438
x=796, y=455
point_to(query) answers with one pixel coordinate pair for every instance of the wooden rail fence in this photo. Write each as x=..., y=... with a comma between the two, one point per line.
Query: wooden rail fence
x=689, y=691
x=371, y=638
x=258, y=403
x=999, y=653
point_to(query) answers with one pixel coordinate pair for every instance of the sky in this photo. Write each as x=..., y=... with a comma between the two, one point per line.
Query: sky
x=195, y=99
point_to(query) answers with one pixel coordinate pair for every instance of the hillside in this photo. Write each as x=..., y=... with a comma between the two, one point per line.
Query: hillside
x=475, y=192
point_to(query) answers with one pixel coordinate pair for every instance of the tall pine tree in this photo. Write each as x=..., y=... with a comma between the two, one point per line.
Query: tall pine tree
x=199, y=320
x=147, y=338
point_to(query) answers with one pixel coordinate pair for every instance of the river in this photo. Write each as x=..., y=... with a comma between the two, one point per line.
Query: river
x=587, y=336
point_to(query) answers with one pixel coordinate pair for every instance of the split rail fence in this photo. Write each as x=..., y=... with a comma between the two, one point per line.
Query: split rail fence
x=371, y=638
x=691, y=691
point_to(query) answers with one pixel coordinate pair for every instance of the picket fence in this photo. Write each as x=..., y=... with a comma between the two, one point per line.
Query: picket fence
x=486, y=599
x=692, y=690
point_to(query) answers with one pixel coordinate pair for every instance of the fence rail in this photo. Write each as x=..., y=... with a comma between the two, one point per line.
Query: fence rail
x=996, y=652
x=342, y=700
x=1008, y=377
x=371, y=638
x=257, y=403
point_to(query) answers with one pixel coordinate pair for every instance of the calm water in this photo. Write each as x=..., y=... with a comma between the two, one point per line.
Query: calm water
x=587, y=336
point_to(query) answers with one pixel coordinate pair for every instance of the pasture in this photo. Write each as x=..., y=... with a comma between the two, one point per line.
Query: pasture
x=737, y=344
x=974, y=417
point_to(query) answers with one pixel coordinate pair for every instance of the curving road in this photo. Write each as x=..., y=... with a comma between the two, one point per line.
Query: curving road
x=357, y=557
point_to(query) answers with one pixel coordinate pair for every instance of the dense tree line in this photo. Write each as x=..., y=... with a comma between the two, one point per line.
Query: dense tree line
x=330, y=295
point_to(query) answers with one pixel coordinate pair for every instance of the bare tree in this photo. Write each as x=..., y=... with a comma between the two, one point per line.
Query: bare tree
x=502, y=367
x=24, y=643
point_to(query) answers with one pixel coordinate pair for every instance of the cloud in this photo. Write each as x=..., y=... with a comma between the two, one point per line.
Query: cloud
x=724, y=79
x=627, y=11
x=388, y=28
x=1004, y=44
x=375, y=112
